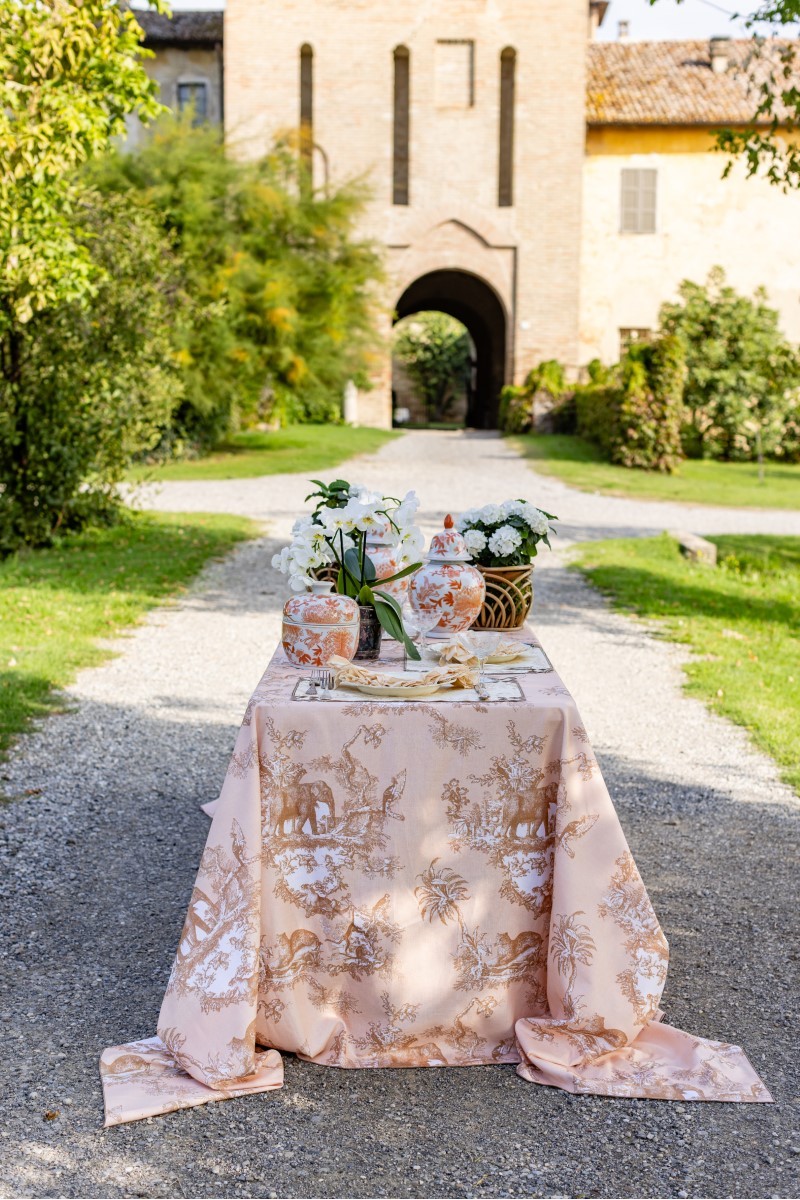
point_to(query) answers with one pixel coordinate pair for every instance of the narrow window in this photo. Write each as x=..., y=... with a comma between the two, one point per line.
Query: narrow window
x=628, y=337
x=194, y=96
x=454, y=73
x=505, y=178
x=306, y=103
x=400, y=149
x=638, y=201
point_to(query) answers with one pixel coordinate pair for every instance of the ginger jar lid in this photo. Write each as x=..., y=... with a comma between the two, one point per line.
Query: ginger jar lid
x=448, y=546
x=321, y=607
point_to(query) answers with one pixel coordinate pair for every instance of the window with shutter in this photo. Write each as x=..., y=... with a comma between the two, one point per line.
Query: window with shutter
x=638, y=200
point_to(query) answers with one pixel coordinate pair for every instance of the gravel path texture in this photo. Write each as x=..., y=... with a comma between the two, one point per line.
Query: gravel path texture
x=101, y=833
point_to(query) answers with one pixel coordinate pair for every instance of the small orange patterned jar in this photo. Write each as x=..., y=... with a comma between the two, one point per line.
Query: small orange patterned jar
x=447, y=583
x=318, y=625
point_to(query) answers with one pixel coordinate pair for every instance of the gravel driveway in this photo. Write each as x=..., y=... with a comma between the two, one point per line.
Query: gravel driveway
x=102, y=834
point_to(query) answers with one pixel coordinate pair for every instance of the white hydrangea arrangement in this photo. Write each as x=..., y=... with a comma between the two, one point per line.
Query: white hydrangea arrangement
x=507, y=534
x=336, y=533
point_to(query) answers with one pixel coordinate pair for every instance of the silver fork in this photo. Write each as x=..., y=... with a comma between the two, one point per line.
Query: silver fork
x=321, y=678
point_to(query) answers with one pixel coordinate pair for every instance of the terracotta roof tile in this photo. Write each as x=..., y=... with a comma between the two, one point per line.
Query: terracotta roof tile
x=672, y=83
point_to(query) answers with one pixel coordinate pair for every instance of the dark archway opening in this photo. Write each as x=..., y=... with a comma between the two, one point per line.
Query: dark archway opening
x=476, y=305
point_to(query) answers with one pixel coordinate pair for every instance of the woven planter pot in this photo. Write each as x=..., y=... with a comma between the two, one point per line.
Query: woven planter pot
x=509, y=597
x=330, y=572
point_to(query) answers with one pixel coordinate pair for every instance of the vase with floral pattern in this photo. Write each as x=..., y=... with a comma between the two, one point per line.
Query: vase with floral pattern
x=447, y=582
x=382, y=551
x=318, y=625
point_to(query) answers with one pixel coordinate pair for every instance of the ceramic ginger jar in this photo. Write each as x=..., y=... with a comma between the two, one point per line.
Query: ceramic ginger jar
x=382, y=551
x=448, y=583
x=318, y=625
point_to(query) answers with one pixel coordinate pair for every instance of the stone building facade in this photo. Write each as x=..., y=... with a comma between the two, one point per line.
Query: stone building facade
x=187, y=62
x=547, y=190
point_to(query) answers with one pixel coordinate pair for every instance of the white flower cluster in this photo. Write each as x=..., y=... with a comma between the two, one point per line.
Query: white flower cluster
x=497, y=514
x=335, y=530
x=504, y=541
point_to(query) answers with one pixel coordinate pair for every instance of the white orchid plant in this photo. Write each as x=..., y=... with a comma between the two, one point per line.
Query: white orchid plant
x=507, y=534
x=336, y=533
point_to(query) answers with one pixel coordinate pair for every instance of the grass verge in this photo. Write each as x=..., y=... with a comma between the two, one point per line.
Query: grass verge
x=56, y=603
x=736, y=485
x=299, y=448
x=742, y=618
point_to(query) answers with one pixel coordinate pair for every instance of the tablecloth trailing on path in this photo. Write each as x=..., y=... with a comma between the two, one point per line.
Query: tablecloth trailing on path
x=409, y=885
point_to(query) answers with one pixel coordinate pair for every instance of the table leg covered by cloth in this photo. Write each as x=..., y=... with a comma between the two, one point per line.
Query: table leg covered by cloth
x=402, y=884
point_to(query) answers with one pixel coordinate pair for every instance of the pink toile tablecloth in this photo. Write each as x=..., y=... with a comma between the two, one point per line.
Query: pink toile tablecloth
x=412, y=884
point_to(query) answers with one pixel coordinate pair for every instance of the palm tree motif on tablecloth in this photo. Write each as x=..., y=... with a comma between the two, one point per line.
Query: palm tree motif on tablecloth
x=479, y=964
x=439, y=893
x=571, y=945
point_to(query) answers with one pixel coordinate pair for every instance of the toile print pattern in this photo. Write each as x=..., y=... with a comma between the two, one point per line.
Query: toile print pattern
x=391, y=886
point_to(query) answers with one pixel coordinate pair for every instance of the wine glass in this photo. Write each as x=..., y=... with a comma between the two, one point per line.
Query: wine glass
x=483, y=644
x=419, y=622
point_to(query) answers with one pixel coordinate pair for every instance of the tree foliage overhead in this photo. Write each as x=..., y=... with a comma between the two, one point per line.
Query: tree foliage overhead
x=435, y=352
x=84, y=297
x=770, y=143
x=70, y=70
x=282, y=290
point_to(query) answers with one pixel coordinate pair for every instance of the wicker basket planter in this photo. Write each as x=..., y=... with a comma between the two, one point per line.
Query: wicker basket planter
x=509, y=597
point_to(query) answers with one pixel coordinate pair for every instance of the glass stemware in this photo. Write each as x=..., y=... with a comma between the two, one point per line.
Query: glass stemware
x=483, y=644
x=419, y=623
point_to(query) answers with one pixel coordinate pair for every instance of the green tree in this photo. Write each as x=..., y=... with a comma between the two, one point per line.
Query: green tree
x=435, y=352
x=96, y=381
x=742, y=375
x=70, y=70
x=283, y=292
x=769, y=144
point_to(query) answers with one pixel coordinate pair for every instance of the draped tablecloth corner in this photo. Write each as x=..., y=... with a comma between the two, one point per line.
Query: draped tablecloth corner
x=143, y=1079
x=409, y=884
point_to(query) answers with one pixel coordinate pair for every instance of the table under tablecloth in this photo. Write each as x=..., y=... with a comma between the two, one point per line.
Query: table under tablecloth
x=407, y=884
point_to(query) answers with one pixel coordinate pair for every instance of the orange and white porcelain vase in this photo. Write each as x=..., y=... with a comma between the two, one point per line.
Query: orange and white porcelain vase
x=447, y=582
x=318, y=625
x=382, y=551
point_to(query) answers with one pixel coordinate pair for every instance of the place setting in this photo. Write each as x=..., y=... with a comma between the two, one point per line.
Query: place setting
x=414, y=860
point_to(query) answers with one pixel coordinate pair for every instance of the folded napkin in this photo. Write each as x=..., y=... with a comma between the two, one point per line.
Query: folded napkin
x=459, y=650
x=344, y=672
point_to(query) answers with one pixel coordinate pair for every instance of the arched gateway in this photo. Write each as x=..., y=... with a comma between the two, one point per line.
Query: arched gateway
x=477, y=306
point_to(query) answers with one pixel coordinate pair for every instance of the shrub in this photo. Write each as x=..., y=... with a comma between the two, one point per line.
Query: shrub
x=545, y=382
x=743, y=376
x=633, y=410
x=95, y=381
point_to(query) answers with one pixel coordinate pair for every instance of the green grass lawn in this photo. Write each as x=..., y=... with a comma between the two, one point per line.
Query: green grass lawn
x=55, y=603
x=742, y=616
x=300, y=448
x=579, y=463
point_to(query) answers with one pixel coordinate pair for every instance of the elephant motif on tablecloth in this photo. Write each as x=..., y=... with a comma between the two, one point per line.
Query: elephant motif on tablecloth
x=531, y=809
x=299, y=806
